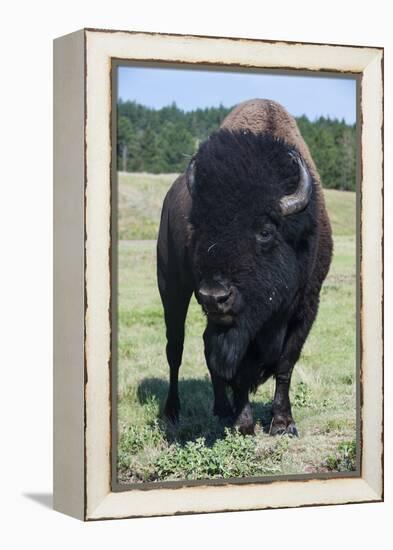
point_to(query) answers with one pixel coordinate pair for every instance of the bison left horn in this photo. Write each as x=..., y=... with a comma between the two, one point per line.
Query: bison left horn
x=297, y=201
x=190, y=176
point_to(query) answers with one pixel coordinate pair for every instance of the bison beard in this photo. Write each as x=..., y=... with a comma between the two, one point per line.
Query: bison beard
x=263, y=323
x=245, y=229
x=225, y=348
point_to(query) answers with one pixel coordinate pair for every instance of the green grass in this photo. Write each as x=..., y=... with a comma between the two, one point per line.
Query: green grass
x=140, y=202
x=141, y=196
x=323, y=387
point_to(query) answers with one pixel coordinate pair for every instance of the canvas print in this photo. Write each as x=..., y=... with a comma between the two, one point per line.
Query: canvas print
x=235, y=276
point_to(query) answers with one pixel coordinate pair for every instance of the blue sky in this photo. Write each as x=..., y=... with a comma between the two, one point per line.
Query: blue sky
x=310, y=95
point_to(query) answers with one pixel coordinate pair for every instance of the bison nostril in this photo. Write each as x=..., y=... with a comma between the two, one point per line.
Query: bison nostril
x=213, y=296
x=222, y=297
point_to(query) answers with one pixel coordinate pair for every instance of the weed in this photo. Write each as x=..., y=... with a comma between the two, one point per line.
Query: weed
x=135, y=438
x=232, y=456
x=344, y=459
x=347, y=379
x=302, y=397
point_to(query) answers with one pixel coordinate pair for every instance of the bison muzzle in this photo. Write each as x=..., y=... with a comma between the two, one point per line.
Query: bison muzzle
x=246, y=230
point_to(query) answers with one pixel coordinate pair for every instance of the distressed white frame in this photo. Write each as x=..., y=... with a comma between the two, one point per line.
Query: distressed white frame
x=82, y=473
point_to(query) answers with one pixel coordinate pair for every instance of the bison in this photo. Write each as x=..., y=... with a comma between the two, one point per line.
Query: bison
x=246, y=230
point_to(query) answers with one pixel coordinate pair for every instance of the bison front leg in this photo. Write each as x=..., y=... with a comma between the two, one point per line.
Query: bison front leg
x=175, y=310
x=283, y=422
x=297, y=333
x=243, y=415
x=222, y=407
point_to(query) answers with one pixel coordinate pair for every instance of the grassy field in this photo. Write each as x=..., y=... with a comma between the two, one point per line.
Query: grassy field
x=200, y=447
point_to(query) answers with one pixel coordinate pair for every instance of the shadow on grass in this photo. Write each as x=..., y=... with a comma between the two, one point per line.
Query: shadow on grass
x=196, y=415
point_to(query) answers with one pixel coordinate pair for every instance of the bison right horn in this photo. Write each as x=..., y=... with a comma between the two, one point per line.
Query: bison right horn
x=297, y=201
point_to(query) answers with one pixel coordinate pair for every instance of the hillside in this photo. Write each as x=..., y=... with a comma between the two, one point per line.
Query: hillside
x=141, y=197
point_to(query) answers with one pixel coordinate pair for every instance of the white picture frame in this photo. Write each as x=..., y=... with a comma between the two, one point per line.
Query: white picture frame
x=83, y=144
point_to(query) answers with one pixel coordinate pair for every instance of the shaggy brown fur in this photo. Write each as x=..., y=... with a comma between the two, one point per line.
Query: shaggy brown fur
x=263, y=338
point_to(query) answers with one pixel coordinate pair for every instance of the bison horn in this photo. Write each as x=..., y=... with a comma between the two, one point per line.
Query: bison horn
x=190, y=176
x=291, y=204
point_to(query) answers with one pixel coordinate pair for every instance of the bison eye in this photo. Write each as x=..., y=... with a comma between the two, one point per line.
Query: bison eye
x=265, y=235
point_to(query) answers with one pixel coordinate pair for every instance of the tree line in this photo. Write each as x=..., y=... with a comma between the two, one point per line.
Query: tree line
x=163, y=140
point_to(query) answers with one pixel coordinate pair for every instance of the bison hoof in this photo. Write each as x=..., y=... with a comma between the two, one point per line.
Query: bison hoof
x=246, y=429
x=280, y=426
x=244, y=422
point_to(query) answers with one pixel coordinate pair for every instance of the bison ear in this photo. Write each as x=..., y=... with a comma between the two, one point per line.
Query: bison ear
x=190, y=177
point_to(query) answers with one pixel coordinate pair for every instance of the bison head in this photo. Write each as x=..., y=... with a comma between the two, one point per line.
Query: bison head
x=252, y=221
